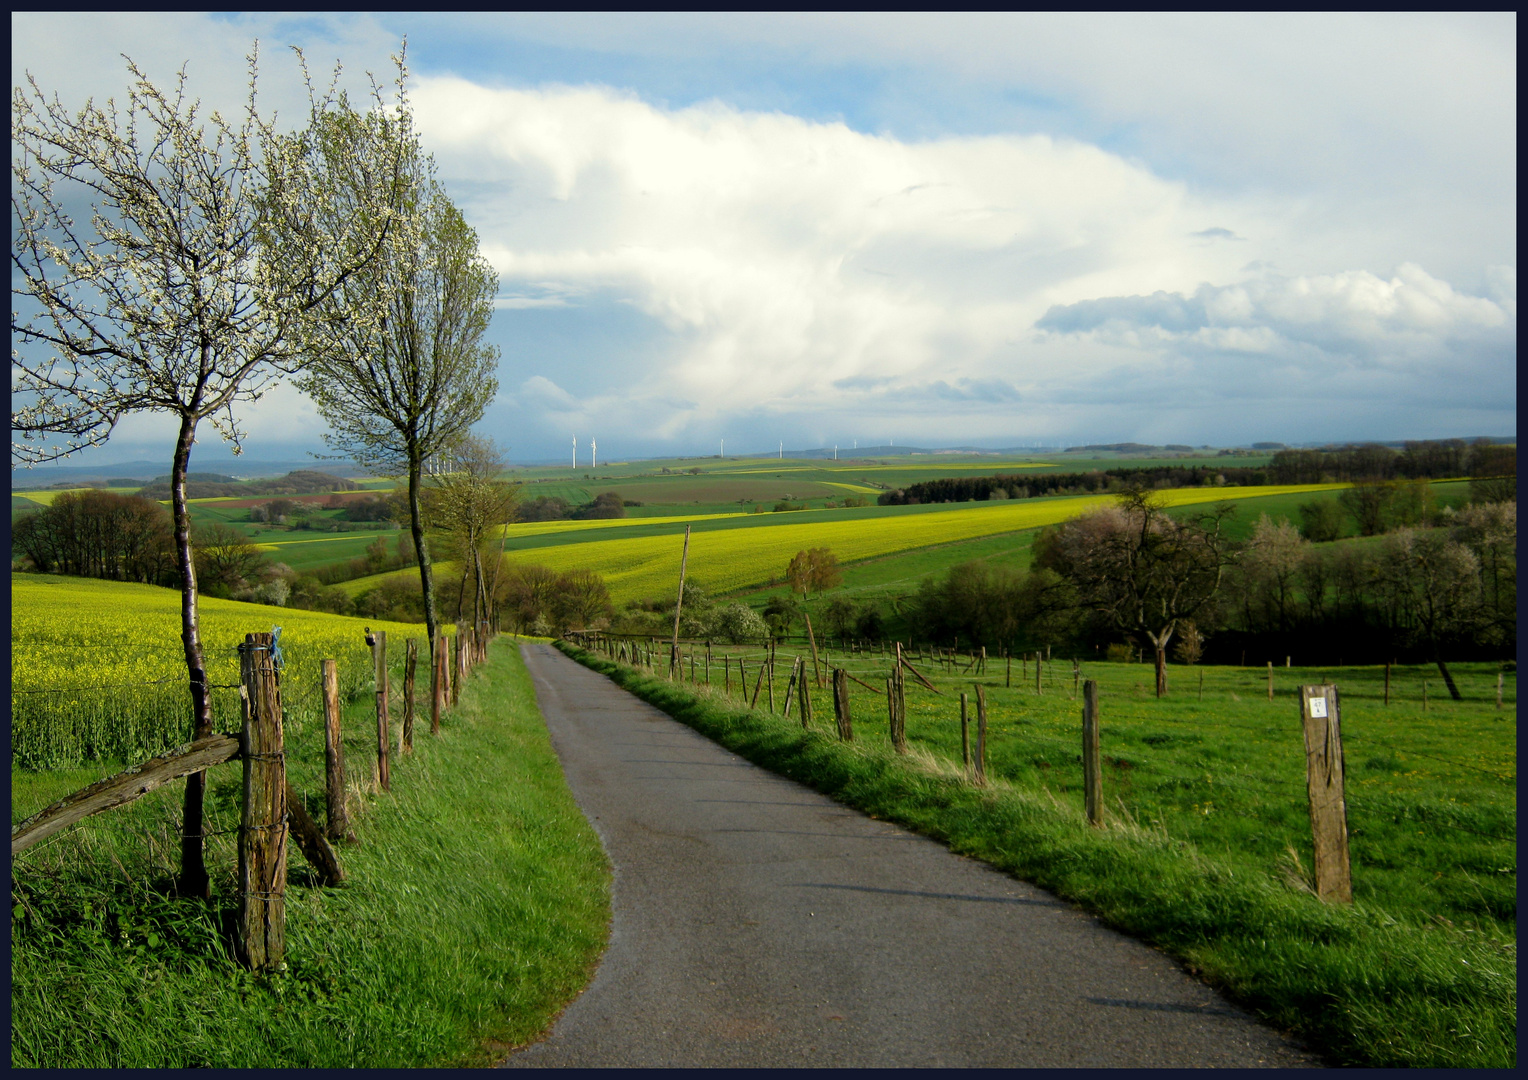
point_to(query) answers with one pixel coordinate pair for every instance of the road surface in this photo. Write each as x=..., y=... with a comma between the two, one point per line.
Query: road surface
x=759, y=923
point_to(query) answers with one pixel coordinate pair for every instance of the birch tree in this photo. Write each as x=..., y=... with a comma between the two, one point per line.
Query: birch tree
x=173, y=296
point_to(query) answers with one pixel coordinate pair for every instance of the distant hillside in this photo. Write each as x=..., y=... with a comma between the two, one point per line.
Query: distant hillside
x=213, y=486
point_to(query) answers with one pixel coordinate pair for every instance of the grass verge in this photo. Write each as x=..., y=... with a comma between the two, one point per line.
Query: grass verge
x=1359, y=985
x=475, y=907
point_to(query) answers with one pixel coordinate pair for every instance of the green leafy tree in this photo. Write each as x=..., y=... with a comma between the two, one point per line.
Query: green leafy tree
x=402, y=385
x=813, y=570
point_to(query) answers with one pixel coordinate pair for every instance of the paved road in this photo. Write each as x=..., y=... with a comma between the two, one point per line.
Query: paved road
x=758, y=923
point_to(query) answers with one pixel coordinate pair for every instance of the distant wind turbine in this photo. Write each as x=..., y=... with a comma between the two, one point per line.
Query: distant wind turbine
x=575, y=453
x=594, y=454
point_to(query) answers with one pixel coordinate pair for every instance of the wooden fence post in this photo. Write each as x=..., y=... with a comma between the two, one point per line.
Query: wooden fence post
x=1008, y=676
x=805, y=694
x=1037, y=674
x=410, y=664
x=899, y=711
x=1498, y=691
x=1387, y=682
x=459, y=672
x=841, y=705
x=981, y=736
x=1424, y=695
x=1270, y=680
x=1092, y=769
x=1321, y=717
x=437, y=681
x=812, y=639
x=334, y=755
x=965, y=740
x=790, y=688
x=263, y=829
x=378, y=643
x=1076, y=676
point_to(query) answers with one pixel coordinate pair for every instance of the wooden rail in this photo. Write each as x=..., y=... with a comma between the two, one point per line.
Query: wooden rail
x=124, y=788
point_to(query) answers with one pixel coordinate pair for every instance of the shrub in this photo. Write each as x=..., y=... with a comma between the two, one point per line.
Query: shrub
x=741, y=625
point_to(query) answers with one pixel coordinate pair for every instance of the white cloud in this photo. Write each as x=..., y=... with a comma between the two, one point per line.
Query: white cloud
x=1354, y=314
x=543, y=391
x=783, y=257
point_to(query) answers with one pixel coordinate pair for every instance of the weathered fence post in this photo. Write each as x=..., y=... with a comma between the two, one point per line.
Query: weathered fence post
x=790, y=688
x=806, y=698
x=684, y=560
x=981, y=736
x=965, y=739
x=378, y=643
x=1498, y=691
x=841, y=705
x=1424, y=695
x=899, y=711
x=437, y=681
x=1037, y=674
x=1008, y=675
x=1387, y=682
x=1092, y=768
x=459, y=673
x=410, y=663
x=334, y=754
x=263, y=829
x=1270, y=680
x=812, y=639
x=1321, y=716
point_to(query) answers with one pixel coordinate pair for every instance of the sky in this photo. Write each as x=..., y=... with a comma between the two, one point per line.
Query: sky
x=936, y=230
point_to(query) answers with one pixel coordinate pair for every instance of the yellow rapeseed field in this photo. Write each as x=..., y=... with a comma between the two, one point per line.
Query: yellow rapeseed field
x=98, y=671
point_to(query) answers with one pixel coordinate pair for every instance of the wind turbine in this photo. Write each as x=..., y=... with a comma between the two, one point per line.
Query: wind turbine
x=575, y=453
x=594, y=453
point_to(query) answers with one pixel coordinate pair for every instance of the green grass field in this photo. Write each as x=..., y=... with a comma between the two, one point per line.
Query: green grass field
x=475, y=906
x=1207, y=849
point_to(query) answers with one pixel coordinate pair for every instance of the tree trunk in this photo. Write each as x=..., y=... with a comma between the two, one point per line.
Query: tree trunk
x=422, y=550
x=193, y=870
x=480, y=599
x=1159, y=649
x=1448, y=680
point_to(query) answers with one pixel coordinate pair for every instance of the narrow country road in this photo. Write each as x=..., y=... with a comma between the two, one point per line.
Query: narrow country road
x=758, y=923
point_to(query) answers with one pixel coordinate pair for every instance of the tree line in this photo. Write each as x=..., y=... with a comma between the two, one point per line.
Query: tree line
x=1178, y=586
x=1492, y=468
